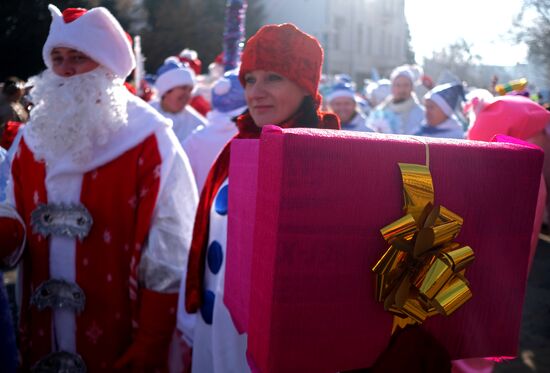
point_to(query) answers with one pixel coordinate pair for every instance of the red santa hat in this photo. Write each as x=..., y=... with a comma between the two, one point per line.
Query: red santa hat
x=94, y=32
x=191, y=57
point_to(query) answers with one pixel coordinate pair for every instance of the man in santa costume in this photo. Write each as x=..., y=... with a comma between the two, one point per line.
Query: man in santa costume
x=100, y=205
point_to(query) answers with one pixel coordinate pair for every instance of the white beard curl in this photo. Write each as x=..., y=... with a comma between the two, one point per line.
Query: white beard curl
x=72, y=115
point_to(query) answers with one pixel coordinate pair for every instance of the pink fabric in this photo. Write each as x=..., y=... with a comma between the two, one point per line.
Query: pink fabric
x=473, y=366
x=515, y=116
x=242, y=203
x=541, y=199
x=311, y=288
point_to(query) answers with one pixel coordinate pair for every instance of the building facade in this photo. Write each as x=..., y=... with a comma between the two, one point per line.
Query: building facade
x=358, y=36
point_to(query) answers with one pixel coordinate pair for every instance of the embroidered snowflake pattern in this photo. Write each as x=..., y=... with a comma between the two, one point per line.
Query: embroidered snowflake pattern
x=143, y=192
x=36, y=197
x=140, y=161
x=133, y=295
x=85, y=262
x=133, y=202
x=157, y=172
x=109, y=277
x=94, y=175
x=133, y=263
x=107, y=237
x=94, y=332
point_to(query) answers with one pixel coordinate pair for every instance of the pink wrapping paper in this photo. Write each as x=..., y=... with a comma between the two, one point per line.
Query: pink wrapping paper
x=240, y=233
x=304, y=290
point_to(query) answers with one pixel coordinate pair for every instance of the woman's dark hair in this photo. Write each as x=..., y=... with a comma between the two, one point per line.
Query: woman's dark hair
x=308, y=117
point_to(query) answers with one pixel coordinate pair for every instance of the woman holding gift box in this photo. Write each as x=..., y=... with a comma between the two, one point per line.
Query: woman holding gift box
x=280, y=72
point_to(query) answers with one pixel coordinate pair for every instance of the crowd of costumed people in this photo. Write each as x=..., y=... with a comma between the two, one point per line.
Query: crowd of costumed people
x=116, y=215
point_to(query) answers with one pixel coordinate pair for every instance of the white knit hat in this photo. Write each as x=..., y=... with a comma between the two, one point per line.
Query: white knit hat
x=173, y=74
x=95, y=33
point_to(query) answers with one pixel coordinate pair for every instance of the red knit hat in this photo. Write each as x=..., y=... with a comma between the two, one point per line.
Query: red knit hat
x=286, y=50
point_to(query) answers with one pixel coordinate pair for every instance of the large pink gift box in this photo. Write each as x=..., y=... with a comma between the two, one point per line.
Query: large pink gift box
x=305, y=211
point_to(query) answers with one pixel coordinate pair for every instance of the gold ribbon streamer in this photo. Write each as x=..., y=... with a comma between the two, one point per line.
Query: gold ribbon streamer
x=421, y=274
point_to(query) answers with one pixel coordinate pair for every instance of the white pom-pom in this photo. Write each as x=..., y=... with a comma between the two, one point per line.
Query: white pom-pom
x=189, y=53
x=172, y=59
x=222, y=87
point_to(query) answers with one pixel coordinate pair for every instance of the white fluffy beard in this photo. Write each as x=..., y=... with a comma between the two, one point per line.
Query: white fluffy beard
x=72, y=115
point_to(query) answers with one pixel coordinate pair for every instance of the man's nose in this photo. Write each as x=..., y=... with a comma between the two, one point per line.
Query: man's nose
x=67, y=69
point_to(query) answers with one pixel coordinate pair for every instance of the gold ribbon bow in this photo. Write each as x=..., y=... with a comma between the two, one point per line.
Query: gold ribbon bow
x=421, y=274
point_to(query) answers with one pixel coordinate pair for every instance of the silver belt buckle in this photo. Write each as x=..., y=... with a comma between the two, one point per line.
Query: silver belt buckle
x=60, y=362
x=72, y=220
x=57, y=294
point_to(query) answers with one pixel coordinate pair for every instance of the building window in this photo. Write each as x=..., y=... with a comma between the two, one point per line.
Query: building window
x=360, y=38
x=382, y=44
x=337, y=34
x=369, y=40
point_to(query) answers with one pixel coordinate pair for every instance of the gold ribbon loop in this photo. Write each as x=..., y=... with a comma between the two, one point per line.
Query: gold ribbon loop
x=421, y=274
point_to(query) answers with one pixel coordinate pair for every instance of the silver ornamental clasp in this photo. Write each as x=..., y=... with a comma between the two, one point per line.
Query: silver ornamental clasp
x=60, y=362
x=57, y=294
x=70, y=220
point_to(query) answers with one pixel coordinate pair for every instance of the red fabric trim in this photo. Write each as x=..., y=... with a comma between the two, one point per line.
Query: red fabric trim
x=106, y=261
x=72, y=14
x=30, y=191
x=11, y=233
x=10, y=131
x=200, y=104
x=157, y=322
x=217, y=175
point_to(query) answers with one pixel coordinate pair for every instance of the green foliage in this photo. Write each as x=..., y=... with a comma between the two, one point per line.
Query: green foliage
x=409, y=53
x=194, y=24
x=166, y=27
x=457, y=59
x=25, y=25
x=532, y=26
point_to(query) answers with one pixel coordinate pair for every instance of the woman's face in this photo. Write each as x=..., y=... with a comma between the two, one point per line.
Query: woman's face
x=271, y=97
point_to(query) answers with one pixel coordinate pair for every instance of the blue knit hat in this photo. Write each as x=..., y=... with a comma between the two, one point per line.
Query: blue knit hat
x=447, y=96
x=228, y=93
x=342, y=88
x=173, y=74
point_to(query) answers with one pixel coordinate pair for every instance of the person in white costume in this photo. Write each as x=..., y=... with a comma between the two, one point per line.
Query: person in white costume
x=204, y=144
x=401, y=112
x=174, y=86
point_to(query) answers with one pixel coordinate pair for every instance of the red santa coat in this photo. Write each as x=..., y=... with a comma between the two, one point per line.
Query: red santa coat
x=142, y=197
